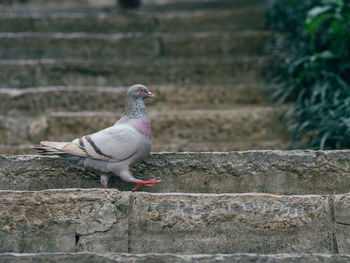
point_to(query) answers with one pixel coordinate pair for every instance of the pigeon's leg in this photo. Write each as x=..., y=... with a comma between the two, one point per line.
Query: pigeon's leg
x=104, y=181
x=126, y=176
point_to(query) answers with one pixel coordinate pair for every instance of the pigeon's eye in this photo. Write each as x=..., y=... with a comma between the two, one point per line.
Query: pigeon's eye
x=142, y=90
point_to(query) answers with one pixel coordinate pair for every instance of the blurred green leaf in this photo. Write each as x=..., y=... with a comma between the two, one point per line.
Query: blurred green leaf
x=317, y=11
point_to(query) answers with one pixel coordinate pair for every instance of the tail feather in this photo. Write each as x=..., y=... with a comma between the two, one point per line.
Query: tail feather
x=46, y=150
x=60, y=148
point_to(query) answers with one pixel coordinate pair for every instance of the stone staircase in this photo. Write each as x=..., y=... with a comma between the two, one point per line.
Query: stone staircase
x=65, y=67
x=209, y=207
x=64, y=70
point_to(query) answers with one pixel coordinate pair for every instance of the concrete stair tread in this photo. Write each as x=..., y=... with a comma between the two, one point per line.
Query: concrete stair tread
x=38, y=100
x=131, y=35
x=247, y=123
x=102, y=22
x=97, y=220
x=172, y=258
x=110, y=7
x=146, y=61
x=53, y=72
x=216, y=146
x=277, y=143
x=118, y=47
x=265, y=171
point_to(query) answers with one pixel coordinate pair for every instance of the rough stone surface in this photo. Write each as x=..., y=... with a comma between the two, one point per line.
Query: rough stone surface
x=342, y=220
x=118, y=47
x=50, y=72
x=172, y=258
x=171, y=127
x=188, y=223
x=178, y=126
x=102, y=22
x=108, y=220
x=273, y=144
x=36, y=101
x=285, y=172
x=64, y=220
x=146, y=4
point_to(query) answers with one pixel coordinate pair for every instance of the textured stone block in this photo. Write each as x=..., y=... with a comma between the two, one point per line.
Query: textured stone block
x=190, y=223
x=36, y=101
x=342, y=220
x=51, y=72
x=285, y=172
x=56, y=20
x=178, y=126
x=119, y=47
x=76, y=46
x=111, y=221
x=168, y=127
x=172, y=258
x=63, y=220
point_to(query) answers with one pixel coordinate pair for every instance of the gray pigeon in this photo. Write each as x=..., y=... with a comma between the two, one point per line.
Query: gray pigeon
x=113, y=149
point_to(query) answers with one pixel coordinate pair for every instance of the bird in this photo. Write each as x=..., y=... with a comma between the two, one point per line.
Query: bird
x=115, y=148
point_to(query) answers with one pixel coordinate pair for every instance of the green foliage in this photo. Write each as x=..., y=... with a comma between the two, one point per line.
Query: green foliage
x=315, y=76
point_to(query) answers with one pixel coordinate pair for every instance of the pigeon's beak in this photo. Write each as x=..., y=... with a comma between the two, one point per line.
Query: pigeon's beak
x=150, y=95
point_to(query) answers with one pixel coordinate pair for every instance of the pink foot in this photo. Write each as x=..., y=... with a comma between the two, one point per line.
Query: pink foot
x=148, y=183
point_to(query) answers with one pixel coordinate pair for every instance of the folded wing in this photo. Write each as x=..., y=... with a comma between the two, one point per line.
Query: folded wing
x=116, y=143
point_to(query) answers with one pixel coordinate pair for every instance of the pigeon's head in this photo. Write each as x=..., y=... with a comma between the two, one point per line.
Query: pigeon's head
x=139, y=91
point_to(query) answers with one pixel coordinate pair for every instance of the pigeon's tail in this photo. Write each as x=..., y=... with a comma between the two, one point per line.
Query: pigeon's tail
x=47, y=150
x=64, y=149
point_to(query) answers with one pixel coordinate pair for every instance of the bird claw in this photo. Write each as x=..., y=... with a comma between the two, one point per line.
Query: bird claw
x=148, y=183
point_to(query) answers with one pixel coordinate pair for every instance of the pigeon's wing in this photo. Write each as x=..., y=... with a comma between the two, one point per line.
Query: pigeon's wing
x=116, y=143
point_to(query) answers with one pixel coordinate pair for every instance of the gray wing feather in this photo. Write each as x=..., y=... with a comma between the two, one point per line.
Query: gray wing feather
x=116, y=143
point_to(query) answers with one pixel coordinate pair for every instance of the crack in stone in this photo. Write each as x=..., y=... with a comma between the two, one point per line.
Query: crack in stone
x=131, y=200
x=334, y=234
x=342, y=223
x=77, y=237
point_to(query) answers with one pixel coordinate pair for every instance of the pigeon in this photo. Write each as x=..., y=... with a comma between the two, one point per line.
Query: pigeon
x=115, y=148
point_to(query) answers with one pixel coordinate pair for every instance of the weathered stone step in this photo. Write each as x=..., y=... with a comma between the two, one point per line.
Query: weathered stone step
x=224, y=146
x=101, y=22
x=118, y=47
x=158, y=5
x=185, y=126
x=172, y=258
x=171, y=127
x=285, y=172
x=94, y=220
x=36, y=101
x=50, y=72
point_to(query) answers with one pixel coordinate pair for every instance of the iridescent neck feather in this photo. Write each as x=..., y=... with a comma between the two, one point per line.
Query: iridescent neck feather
x=135, y=108
x=136, y=115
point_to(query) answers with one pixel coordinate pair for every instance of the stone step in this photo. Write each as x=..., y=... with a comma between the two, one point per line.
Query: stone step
x=284, y=172
x=118, y=47
x=51, y=72
x=99, y=21
x=171, y=258
x=168, y=127
x=36, y=101
x=20, y=5
x=263, y=144
x=99, y=220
